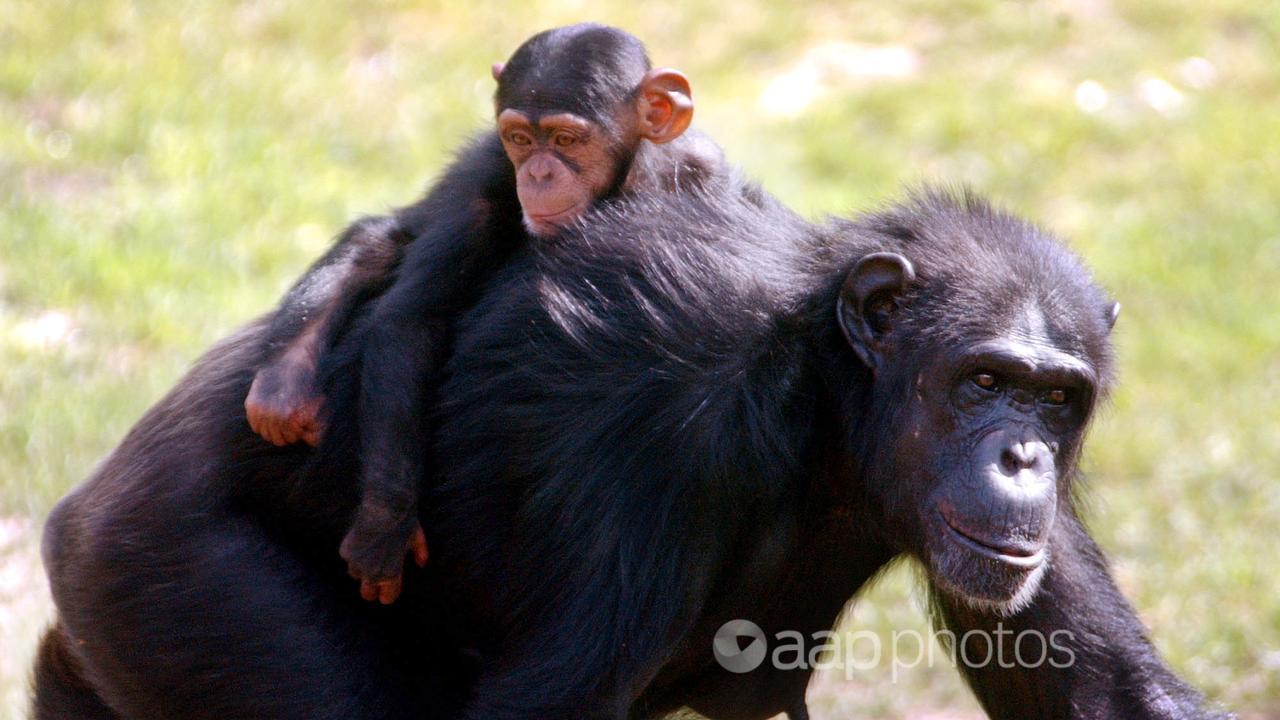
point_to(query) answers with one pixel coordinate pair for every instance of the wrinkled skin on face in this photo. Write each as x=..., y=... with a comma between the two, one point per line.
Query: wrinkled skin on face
x=1008, y=417
x=565, y=162
x=984, y=439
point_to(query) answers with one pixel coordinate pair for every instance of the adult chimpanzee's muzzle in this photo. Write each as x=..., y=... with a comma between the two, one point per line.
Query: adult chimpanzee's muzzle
x=1006, y=510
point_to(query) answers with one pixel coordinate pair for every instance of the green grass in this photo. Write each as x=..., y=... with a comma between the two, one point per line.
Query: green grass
x=166, y=170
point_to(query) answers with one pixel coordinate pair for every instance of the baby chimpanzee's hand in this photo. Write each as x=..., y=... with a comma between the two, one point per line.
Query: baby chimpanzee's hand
x=283, y=406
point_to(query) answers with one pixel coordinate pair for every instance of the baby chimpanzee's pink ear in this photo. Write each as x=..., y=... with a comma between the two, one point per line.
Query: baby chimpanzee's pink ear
x=666, y=105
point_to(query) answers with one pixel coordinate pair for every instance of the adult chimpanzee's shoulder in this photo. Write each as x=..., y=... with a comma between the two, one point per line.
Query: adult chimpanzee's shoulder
x=704, y=281
x=677, y=310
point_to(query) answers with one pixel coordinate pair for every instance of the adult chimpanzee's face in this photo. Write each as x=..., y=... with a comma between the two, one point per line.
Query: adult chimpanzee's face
x=979, y=427
x=992, y=434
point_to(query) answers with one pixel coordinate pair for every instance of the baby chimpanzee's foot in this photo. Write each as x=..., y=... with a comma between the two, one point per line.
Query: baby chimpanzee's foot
x=375, y=557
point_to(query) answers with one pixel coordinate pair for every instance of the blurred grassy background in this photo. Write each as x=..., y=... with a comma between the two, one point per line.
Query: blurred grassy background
x=167, y=169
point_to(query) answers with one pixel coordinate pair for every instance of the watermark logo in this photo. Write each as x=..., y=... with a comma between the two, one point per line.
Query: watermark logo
x=740, y=646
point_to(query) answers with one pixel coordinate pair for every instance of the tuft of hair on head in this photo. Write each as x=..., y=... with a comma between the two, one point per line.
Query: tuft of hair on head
x=981, y=268
x=585, y=69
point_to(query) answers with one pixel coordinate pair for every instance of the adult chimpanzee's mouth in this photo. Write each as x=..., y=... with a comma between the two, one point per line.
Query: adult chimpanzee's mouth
x=1016, y=554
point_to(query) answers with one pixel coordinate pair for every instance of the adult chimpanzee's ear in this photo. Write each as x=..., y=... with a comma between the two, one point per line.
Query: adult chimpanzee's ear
x=1113, y=313
x=496, y=69
x=665, y=105
x=868, y=300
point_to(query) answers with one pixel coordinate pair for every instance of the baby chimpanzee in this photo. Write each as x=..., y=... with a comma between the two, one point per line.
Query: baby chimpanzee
x=574, y=106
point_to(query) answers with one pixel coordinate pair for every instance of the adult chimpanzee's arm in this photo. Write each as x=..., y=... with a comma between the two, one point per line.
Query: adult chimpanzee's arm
x=471, y=222
x=284, y=402
x=1098, y=661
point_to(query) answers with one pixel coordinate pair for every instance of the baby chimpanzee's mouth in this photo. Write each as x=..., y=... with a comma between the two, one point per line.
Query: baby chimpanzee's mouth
x=1023, y=555
x=558, y=216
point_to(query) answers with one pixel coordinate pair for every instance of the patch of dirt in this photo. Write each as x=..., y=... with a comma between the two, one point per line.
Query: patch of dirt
x=25, y=610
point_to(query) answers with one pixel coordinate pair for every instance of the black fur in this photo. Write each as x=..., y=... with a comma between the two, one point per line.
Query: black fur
x=648, y=428
x=585, y=69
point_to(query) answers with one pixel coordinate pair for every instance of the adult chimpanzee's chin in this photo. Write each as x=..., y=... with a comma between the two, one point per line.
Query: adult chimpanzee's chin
x=991, y=575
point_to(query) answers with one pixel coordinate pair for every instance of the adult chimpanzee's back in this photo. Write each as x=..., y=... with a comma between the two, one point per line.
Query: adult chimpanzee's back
x=620, y=404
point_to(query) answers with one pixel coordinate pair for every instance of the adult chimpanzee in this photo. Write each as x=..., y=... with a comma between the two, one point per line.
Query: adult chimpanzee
x=740, y=416
x=574, y=106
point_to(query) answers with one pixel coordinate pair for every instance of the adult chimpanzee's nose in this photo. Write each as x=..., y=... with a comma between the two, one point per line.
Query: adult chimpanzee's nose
x=1031, y=455
x=1010, y=501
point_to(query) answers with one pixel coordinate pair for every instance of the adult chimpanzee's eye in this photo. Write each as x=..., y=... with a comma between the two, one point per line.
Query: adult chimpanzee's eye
x=564, y=139
x=985, y=380
x=1056, y=396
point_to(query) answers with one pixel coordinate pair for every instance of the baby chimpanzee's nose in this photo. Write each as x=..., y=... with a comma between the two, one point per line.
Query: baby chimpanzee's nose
x=540, y=168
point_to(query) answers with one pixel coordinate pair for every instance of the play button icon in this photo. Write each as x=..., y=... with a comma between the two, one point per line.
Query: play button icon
x=740, y=646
